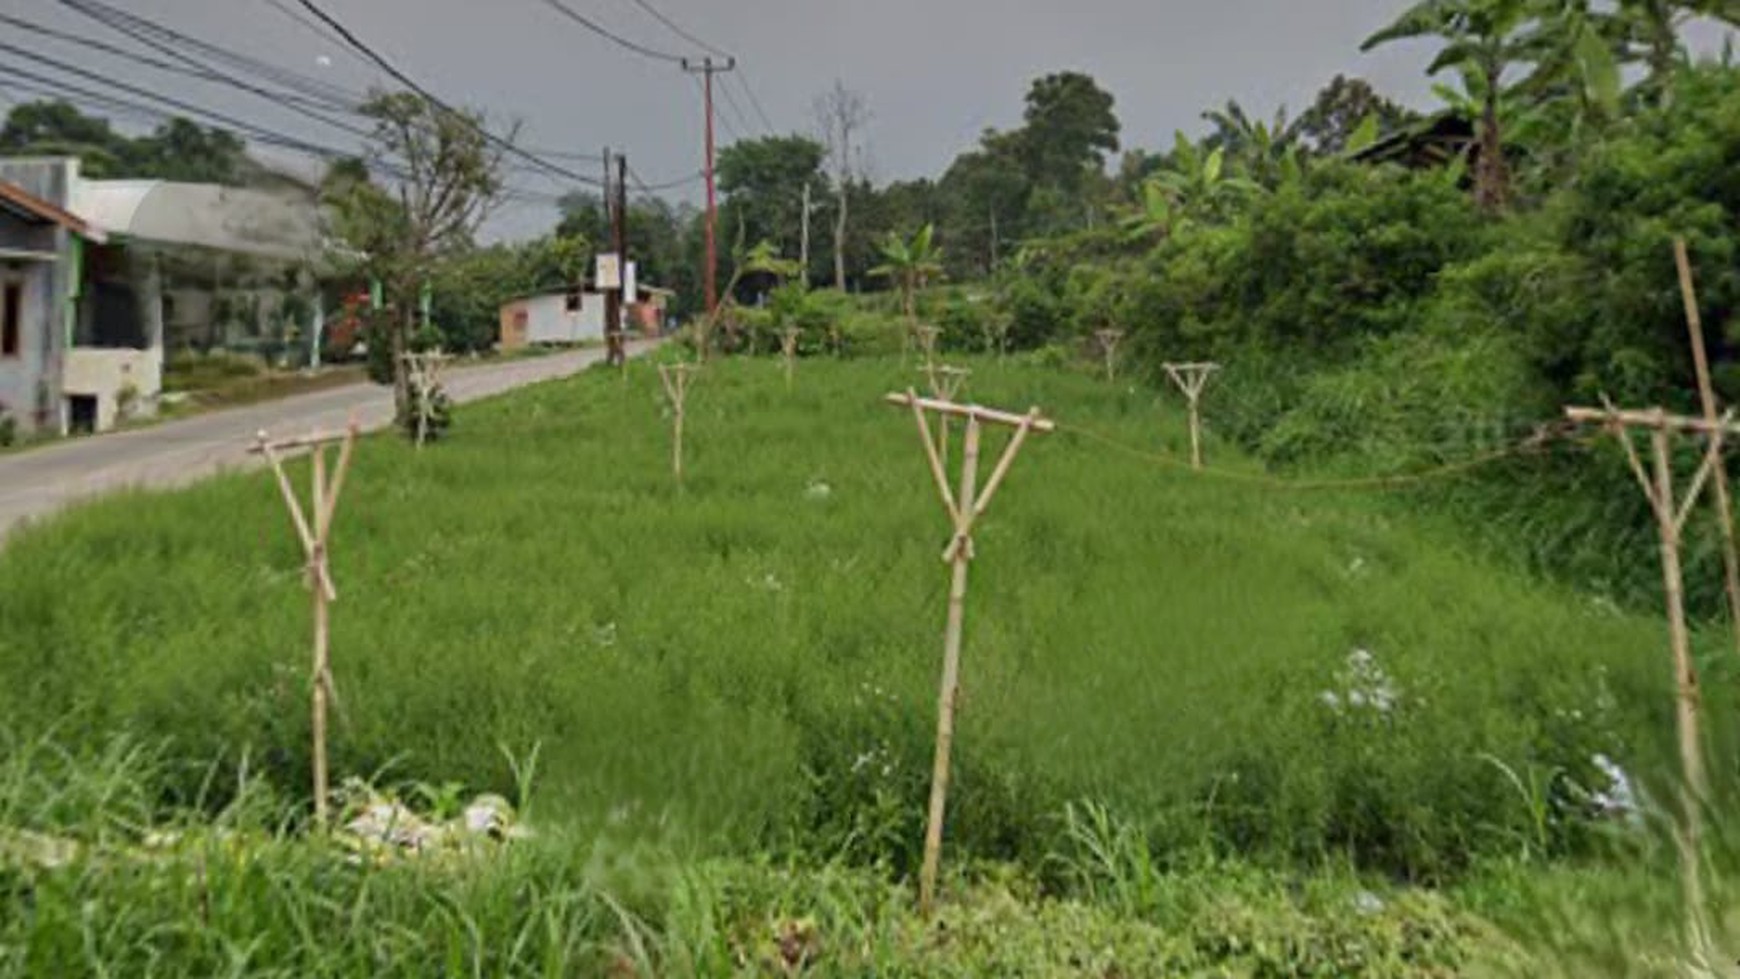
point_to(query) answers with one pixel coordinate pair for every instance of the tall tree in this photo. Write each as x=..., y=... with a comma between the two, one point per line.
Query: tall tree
x=763, y=182
x=445, y=181
x=841, y=114
x=1069, y=126
x=1341, y=108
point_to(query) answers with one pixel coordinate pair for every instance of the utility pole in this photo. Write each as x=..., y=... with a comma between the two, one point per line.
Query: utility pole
x=707, y=68
x=612, y=293
x=604, y=195
x=615, y=345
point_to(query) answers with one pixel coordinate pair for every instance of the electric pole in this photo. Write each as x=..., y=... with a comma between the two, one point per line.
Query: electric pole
x=707, y=68
x=618, y=349
x=612, y=293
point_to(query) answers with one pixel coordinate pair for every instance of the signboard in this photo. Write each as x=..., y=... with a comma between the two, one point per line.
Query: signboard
x=629, y=294
x=609, y=274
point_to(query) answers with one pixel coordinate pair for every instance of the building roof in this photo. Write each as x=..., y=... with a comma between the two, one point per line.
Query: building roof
x=1433, y=141
x=227, y=219
x=16, y=200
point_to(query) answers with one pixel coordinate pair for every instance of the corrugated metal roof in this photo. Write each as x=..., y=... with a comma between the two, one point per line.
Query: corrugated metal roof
x=227, y=219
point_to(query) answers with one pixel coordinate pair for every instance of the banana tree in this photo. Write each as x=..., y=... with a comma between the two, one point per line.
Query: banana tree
x=1649, y=32
x=1194, y=186
x=911, y=264
x=1483, y=40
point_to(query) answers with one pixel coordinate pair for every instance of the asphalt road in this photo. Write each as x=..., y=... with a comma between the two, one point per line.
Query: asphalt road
x=42, y=480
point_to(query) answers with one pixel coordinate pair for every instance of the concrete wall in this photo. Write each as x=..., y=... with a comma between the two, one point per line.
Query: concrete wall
x=549, y=321
x=29, y=381
x=109, y=374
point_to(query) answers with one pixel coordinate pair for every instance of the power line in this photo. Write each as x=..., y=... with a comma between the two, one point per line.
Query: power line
x=52, y=88
x=743, y=125
x=755, y=103
x=646, y=188
x=161, y=37
x=406, y=80
x=678, y=30
x=190, y=69
x=301, y=18
x=584, y=21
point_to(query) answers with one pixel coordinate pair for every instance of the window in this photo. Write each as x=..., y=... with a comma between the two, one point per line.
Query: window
x=572, y=303
x=11, y=317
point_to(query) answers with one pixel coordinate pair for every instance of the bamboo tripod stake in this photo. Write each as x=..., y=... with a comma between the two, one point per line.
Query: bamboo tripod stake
x=963, y=509
x=1191, y=379
x=1720, y=498
x=927, y=338
x=1671, y=512
x=316, y=538
x=945, y=385
x=1109, y=344
x=425, y=370
x=788, y=345
x=676, y=379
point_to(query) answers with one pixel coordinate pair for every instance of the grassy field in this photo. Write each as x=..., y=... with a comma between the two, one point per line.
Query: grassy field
x=1163, y=670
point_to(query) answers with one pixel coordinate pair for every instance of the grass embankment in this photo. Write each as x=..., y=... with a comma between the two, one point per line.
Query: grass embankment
x=747, y=664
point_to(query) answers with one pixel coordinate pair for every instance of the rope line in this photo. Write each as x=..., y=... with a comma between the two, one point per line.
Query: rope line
x=1533, y=443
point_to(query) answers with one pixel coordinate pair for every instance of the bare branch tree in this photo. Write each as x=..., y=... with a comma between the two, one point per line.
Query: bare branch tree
x=438, y=180
x=841, y=114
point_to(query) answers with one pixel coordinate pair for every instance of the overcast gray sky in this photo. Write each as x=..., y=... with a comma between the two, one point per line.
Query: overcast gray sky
x=934, y=72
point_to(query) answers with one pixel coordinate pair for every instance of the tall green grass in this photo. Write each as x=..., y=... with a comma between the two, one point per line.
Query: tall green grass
x=748, y=661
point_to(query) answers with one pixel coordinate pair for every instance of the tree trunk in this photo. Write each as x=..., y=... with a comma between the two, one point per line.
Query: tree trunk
x=401, y=375
x=1491, y=176
x=840, y=242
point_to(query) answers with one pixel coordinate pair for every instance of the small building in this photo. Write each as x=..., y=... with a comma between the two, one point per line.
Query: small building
x=574, y=316
x=41, y=245
x=1434, y=141
x=169, y=267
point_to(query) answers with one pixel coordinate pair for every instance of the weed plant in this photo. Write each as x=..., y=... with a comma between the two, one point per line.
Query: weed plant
x=747, y=663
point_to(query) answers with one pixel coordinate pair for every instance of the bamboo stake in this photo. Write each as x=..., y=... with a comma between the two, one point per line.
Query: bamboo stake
x=945, y=385
x=1720, y=500
x=315, y=536
x=788, y=343
x=951, y=678
x=322, y=648
x=1191, y=379
x=964, y=508
x=1109, y=343
x=927, y=338
x=425, y=376
x=1671, y=514
x=676, y=378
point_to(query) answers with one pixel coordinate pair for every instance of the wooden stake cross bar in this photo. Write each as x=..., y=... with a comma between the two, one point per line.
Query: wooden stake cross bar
x=788, y=348
x=1720, y=500
x=1191, y=379
x=964, y=509
x=676, y=379
x=1671, y=510
x=425, y=376
x=1109, y=340
x=314, y=530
